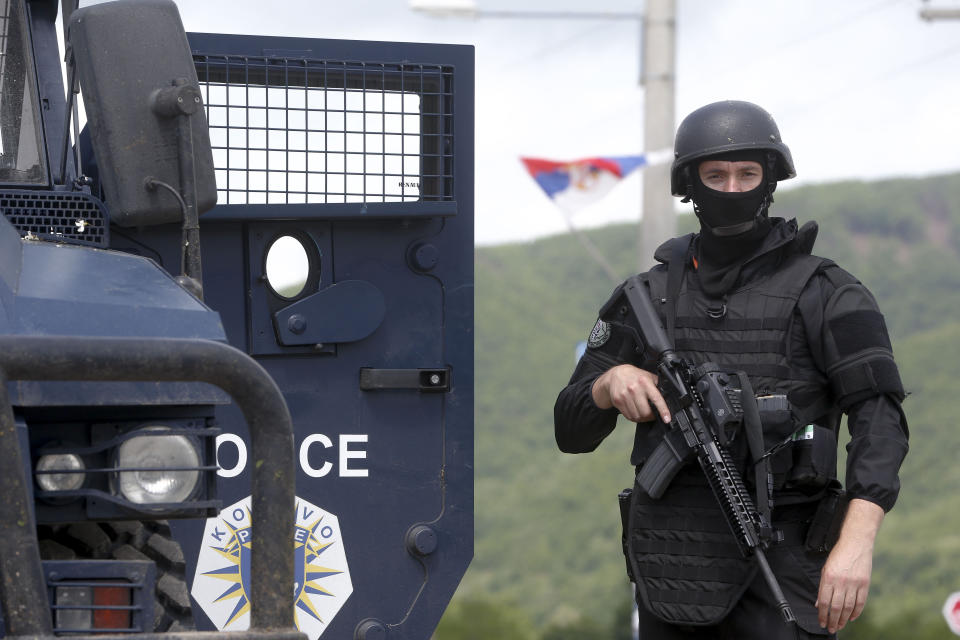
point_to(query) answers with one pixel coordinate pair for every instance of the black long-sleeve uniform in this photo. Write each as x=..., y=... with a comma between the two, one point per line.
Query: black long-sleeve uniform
x=834, y=329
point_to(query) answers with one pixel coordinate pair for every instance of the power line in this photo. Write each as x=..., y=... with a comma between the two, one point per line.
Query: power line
x=840, y=24
x=550, y=50
x=939, y=14
x=824, y=101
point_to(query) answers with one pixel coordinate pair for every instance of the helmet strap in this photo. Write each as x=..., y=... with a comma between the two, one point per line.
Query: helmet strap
x=771, y=177
x=689, y=192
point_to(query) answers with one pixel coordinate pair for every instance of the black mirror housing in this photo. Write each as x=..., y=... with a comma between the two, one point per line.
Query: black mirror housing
x=131, y=57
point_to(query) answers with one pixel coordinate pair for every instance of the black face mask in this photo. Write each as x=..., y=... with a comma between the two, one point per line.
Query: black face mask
x=733, y=225
x=724, y=213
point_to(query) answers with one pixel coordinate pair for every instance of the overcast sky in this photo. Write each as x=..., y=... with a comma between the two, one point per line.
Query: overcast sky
x=859, y=88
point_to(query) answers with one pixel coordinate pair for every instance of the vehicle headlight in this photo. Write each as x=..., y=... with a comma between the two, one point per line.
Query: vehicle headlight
x=60, y=481
x=150, y=459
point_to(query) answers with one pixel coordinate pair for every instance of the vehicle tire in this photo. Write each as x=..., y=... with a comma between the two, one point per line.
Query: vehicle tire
x=129, y=540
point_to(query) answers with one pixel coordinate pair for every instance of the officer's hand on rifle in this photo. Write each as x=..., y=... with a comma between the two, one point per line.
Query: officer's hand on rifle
x=633, y=391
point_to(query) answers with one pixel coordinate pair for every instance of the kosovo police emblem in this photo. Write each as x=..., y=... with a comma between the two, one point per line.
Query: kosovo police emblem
x=599, y=335
x=221, y=585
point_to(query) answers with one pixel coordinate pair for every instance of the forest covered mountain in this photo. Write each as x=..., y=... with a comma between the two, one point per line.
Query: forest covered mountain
x=547, y=524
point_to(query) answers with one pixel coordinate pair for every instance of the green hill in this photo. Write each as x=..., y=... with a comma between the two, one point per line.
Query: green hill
x=547, y=532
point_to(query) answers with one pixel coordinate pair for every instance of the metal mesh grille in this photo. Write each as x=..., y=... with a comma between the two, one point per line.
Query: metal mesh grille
x=100, y=597
x=64, y=217
x=287, y=130
x=76, y=609
x=106, y=470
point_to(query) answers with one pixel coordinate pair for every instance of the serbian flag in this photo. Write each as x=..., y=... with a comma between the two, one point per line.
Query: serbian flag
x=573, y=185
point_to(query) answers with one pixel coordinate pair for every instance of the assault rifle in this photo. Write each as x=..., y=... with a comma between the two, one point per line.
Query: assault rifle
x=704, y=406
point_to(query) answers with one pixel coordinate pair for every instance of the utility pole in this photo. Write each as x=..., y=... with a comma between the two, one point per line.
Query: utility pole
x=658, y=78
x=939, y=14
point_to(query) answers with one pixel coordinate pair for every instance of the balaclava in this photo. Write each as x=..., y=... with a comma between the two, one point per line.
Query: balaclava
x=733, y=225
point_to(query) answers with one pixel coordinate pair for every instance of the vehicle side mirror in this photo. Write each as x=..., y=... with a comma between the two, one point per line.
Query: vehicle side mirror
x=132, y=58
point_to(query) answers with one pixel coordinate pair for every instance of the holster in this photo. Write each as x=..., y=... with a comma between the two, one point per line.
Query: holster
x=827, y=521
x=624, y=498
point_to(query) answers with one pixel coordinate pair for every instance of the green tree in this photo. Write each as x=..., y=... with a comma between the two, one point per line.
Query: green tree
x=913, y=625
x=484, y=619
x=621, y=624
x=581, y=629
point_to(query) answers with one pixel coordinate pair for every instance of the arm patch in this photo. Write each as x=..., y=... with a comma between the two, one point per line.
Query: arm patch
x=599, y=335
x=867, y=379
x=859, y=331
x=859, y=357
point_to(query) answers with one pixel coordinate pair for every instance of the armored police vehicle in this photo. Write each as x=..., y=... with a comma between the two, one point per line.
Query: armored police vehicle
x=236, y=310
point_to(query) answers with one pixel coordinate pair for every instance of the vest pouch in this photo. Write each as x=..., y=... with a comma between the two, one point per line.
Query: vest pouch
x=814, y=459
x=778, y=426
x=687, y=565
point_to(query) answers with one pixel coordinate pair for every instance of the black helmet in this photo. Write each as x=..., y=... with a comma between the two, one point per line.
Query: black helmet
x=721, y=127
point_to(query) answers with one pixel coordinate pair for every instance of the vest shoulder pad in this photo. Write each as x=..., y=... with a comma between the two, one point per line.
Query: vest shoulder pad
x=835, y=274
x=673, y=247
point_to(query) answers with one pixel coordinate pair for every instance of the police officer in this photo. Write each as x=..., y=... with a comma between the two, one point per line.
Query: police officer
x=747, y=294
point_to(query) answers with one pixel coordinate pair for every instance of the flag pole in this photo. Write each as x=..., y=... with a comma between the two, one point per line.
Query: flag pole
x=573, y=184
x=594, y=252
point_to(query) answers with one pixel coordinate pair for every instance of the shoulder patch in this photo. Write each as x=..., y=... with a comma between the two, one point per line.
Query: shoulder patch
x=599, y=335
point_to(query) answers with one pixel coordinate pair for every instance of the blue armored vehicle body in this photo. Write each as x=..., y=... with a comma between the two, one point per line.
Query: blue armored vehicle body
x=236, y=321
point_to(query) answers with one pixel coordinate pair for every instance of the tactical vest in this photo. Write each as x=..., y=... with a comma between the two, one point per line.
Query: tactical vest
x=750, y=331
x=684, y=559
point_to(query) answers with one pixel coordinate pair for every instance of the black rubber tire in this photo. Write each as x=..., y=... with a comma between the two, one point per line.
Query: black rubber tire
x=129, y=540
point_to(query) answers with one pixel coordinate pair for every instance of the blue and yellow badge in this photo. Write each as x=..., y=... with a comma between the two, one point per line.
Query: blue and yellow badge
x=322, y=584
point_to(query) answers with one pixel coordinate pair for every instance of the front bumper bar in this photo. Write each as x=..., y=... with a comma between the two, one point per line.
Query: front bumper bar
x=22, y=589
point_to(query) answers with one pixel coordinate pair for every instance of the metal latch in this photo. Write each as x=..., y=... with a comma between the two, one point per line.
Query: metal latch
x=428, y=380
